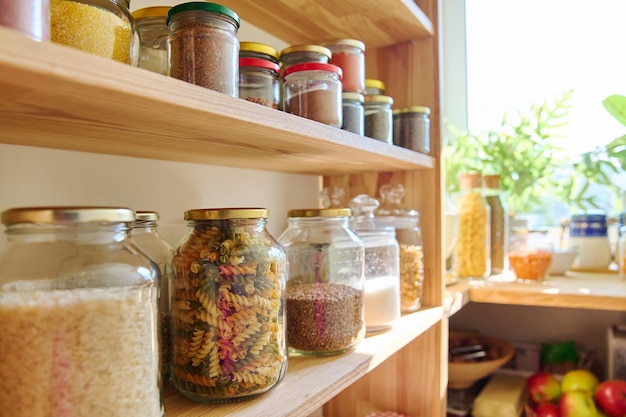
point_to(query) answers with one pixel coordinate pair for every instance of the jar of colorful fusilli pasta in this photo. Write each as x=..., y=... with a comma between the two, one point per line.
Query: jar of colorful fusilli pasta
x=226, y=306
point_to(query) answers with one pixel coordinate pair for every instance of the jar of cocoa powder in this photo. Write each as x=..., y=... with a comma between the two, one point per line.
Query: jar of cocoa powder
x=203, y=46
x=258, y=81
x=349, y=55
x=313, y=90
x=325, y=283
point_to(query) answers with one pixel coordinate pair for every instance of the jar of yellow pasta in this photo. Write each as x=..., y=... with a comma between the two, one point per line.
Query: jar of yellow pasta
x=226, y=306
x=472, y=250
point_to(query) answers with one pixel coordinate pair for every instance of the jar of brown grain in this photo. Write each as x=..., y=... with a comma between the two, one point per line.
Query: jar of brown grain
x=258, y=81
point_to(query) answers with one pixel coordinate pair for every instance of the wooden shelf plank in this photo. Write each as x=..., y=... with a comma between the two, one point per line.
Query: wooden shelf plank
x=58, y=97
x=376, y=23
x=593, y=291
x=312, y=381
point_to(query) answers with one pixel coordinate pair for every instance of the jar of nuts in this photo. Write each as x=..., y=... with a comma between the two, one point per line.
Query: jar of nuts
x=472, y=250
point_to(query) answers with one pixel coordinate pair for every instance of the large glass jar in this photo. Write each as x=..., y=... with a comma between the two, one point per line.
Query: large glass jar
x=101, y=27
x=31, y=17
x=203, y=47
x=472, y=249
x=325, y=287
x=499, y=224
x=227, y=286
x=409, y=236
x=153, y=32
x=145, y=235
x=78, y=307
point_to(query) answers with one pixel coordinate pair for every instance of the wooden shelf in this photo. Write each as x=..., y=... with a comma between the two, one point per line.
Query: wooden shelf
x=373, y=22
x=575, y=290
x=312, y=381
x=57, y=97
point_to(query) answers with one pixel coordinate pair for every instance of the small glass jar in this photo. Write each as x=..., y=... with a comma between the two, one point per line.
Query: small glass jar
x=31, y=17
x=101, y=27
x=203, y=48
x=413, y=129
x=349, y=55
x=379, y=118
x=472, y=249
x=353, y=113
x=382, y=265
x=374, y=87
x=530, y=256
x=588, y=233
x=227, y=287
x=325, y=287
x=145, y=235
x=153, y=32
x=301, y=54
x=409, y=236
x=258, y=50
x=313, y=91
x=258, y=81
x=78, y=307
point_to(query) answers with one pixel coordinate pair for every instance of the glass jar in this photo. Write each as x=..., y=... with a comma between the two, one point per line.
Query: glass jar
x=258, y=81
x=409, y=236
x=530, y=256
x=349, y=55
x=499, y=224
x=258, y=50
x=588, y=233
x=101, y=27
x=325, y=287
x=203, y=48
x=382, y=265
x=379, y=118
x=374, y=87
x=78, y=324
x=227, y=288
x=153, y=32
x=313, y=91
x=353, y=116
x=413, y=129
x=472, y=249
x=31, y=17
x=145, y=235
x=621, y=252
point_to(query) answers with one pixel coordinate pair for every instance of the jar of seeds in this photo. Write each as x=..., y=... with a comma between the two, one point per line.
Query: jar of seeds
x=101, y=27
x=258, y=81
x=78, y=307
x=353, y=116
x=325, y=287
x=379, y=118
x=153, y=33
x=227, y=291
x=203, y=46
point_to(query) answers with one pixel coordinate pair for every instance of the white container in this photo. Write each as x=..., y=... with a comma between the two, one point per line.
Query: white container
x=589, y=235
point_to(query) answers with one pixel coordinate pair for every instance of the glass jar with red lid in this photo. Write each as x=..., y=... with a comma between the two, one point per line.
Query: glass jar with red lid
x=258, y=81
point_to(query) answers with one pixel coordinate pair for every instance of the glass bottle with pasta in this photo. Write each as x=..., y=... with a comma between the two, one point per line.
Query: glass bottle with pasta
x=227, y=282
x=472, y=249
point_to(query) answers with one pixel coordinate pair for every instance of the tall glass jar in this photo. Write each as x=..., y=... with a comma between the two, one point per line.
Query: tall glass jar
x=499, y=224
x=31, y=17
x=472, y=249
x=153, y=32
x=78, y=307
x=325, y=288
x=349, y=55
x=227, y=287
x=313, y=91
x=145, y=235
x=409, y=236
x=101, y=27
x=258, y=81
x=379, y=118
x=203, y=47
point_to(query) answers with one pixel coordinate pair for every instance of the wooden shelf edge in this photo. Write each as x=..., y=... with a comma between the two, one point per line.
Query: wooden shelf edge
x=58, y=97
x=312, y=381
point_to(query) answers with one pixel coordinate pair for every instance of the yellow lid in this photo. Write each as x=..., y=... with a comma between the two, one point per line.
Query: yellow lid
x=67, y=215
x=260, y=48
x=156, y=11
x=378, y=99
x=306, y=48
x=347, y=95
x=417, y=109
x=372, y=83
x=327, y=212
x=226, y=213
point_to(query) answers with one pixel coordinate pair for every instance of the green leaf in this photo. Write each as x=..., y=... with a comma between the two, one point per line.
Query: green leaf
x=616, y=106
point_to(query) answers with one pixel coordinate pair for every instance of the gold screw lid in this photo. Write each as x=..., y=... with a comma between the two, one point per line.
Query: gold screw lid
x=379, y=99
x=417, y=109
x=353, y=96
x=306, y=48
x=372, y=83
x=347, y=42
x=227, y=213
x=67, y=215
x=157, y=11
x=315, y=212
x=260, y=48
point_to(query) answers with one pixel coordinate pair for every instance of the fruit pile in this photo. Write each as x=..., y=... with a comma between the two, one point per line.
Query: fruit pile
x=578, y=394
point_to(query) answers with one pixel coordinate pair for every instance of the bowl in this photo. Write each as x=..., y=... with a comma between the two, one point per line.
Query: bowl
x=464, y=370
x=562, y=260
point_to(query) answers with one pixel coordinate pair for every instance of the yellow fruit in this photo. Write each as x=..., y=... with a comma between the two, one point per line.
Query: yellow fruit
x=579, y=380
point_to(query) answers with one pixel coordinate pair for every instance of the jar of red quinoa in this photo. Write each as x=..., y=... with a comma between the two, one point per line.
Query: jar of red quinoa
x=349, y=55
x=31, y=17
x=313, y=90
x=325, y=287
x=258, y=81
x=203, y=46
x=101, y=27
x=78, y=307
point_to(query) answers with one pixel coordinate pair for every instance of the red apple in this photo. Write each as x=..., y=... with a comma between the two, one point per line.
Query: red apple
x=543, y=387
x=546, y=409
x=577, y=404
x=610, y=396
